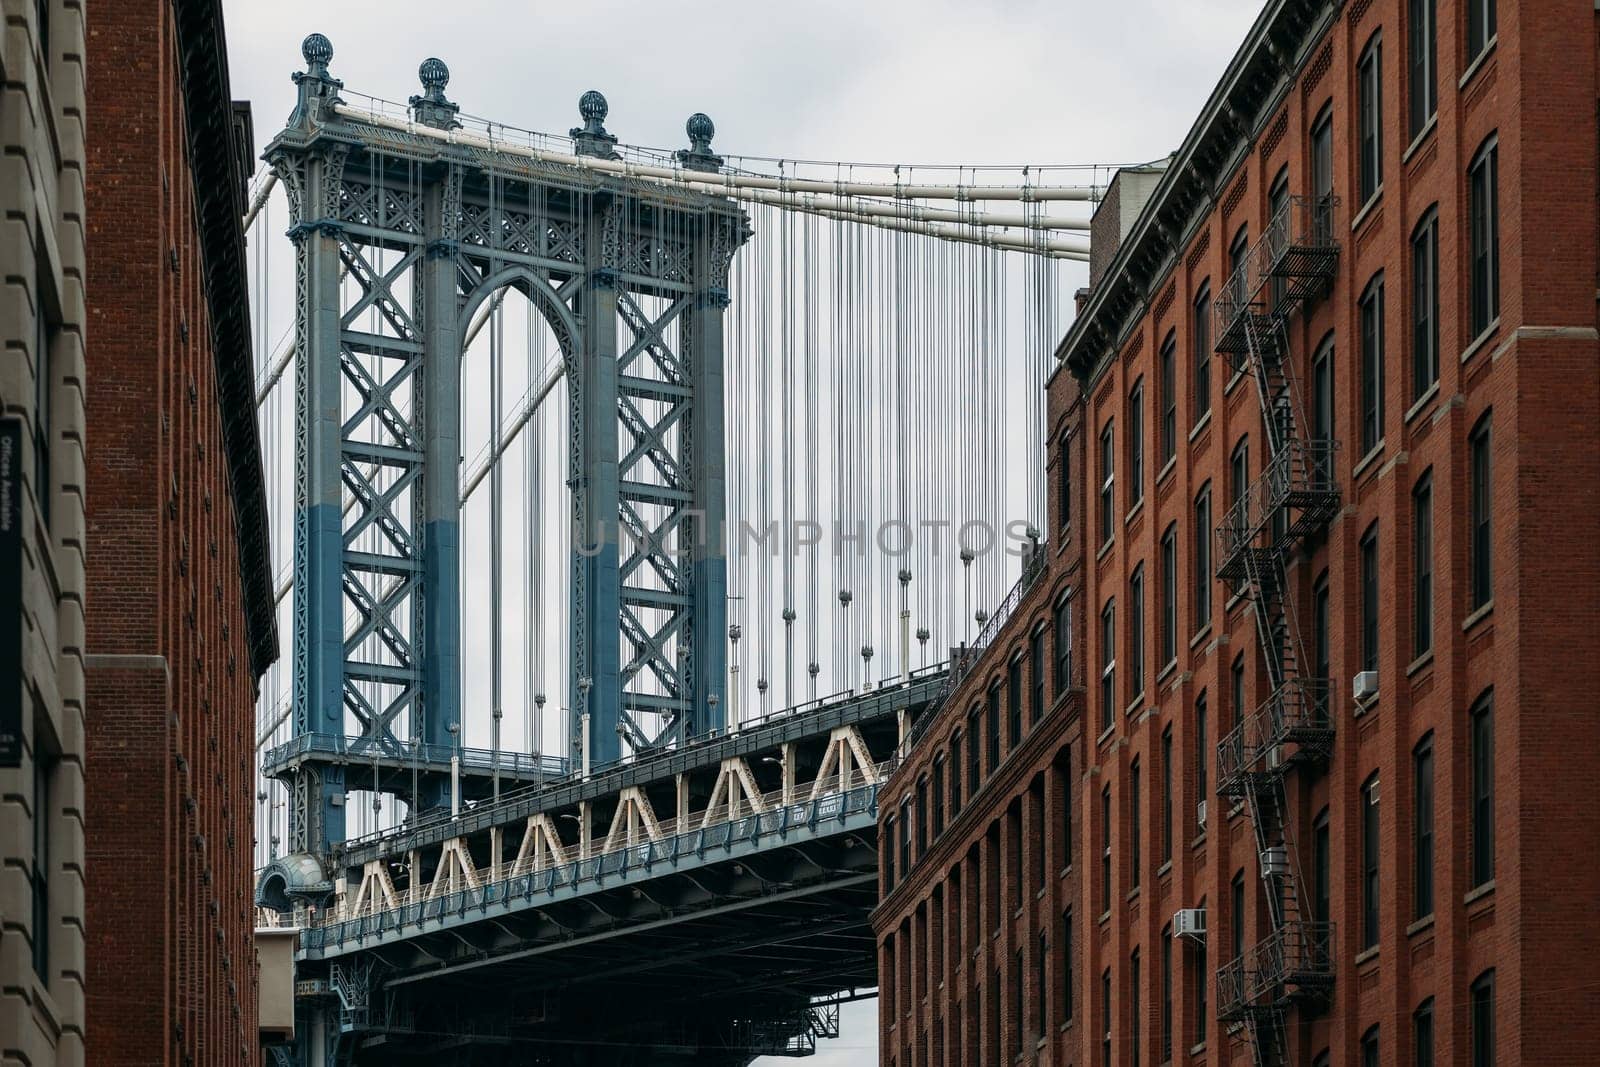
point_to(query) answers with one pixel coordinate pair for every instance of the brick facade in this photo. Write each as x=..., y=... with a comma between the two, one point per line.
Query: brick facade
x=1495, y=961
x=173, y=656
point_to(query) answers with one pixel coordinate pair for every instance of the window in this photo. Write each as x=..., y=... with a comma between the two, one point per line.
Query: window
x=1136, y=630
x=41, y=865
x=1482, y=756
x=1480, y=27
x=1236, y=676
x=1202, y=751
x=1169, y=398
x=1037, y=669
x=1038, y=840
x=974, y=753
x=995, y=1040
x=1064, y=481
x=1166, y=794
x=1136, y=445
x=1480, y=544
x=1422, y=828
x=1422, y=1034
x=1105, y=1018
x=922, y=816
x=1372, y=365
x=938, y=796
x=889, y=827
x=1422, y=565
x=1202, y=983
x=1483, y=1020
x=1135, y=1024
x=1107, y=480
x=1066, y=806
x=1105, y=848
x=43, y=7
x=1020, y=1021
x=1202, y=557
x=1067, y=944
x=1425, y=305
x=906, y=830
x=955, y=774
x=1238, y=282
x=1200, y=331
x=1169, y=595
x=1041, y=1001
x=1277, y=232
x=44, y=370
x=1322, y=394
x=1424, y=60
x=1238, y=478
x=1321, y=663
x=1166, y=994
x=1369, y=135
x=1322, y=176
x=1369, y=599
x=1236, y=920
x=1135, y=831
x=1369, y=863
x=1014, y=703
x=1108, y=664
x=992, y=727
x=1321, y=875
x=1483, y=194
x=1369, y=1049
x=1063, y=627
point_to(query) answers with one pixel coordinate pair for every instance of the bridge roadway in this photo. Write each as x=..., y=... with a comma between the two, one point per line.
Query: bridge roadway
x=688, y=907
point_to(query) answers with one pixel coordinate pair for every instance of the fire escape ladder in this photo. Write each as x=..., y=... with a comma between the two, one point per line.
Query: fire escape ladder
x=1294, y=497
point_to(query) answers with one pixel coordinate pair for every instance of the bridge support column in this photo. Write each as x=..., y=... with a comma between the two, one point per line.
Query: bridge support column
x=441, y=483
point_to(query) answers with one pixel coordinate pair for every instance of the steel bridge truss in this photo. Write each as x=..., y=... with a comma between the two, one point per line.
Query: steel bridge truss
x=400, y=239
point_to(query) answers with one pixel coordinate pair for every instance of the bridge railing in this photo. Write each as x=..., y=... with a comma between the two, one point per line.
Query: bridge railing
x=325, y=932
x=470, y=818
x=509, y=761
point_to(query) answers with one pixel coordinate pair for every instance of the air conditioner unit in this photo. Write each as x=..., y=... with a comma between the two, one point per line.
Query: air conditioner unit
x=1274, y=757
x=1200, y=813
x=1275, y=860
x=1189, y=922
x=1364, y=686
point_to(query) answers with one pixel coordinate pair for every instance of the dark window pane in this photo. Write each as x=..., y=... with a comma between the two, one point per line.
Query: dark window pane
x=1483, y=1021
x=1422, y=566
x=1169, y=398
x=1369, y=863
x=1370, y=143
x=1423, y=55
x=1482, y=755
x=1372, y=366
x=1369, y=600
x=1422, y=829
x=1424, y=307
x=1482, y=503
x=1201, y=332
x=1202, y=559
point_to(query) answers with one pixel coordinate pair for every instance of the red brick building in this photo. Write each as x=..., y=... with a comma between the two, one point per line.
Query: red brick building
x=180, y=611
x=1340, y=379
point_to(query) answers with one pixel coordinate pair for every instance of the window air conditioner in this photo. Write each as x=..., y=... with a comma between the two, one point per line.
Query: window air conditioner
x=1275, y=860
x=1189, y=922
x=1364, y=686
x=1200, y=813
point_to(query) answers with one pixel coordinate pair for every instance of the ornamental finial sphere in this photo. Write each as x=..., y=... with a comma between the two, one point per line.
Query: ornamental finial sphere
x=700, y=127
x=593, y=107
x=434, y=74
x=316, y=49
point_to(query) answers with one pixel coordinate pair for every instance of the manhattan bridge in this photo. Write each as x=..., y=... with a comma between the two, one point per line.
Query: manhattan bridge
x=641, y=502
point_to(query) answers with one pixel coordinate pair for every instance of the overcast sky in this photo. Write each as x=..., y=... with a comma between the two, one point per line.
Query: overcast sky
x=936, y=81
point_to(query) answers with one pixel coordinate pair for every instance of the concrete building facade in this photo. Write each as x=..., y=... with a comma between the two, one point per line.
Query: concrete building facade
x=41, y=532
x=1339, y=382
x=180, y=622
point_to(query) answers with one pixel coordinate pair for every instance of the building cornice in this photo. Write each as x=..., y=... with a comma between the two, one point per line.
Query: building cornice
x=219, y=183
x=1277, y=47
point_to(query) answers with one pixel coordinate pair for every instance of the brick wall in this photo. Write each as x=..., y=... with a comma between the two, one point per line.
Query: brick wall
x=172, y=963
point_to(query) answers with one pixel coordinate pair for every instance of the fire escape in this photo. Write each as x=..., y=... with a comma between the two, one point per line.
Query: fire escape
x=1291, y=501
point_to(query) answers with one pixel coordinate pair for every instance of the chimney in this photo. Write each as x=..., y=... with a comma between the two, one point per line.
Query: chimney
x=1125, y=198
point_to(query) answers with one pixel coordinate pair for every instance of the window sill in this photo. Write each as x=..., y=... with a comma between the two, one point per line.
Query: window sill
x=1199, y=427
x=1200, y=635
x=1421, y=137
x=1162, y=871
x=1419, y=663
x=1424, y=923
x=1421, y=402
x=1161, y=675
x=1479, y=893
x=1478, y=62
x=1105, y=735
x=1133, y=894
x=1104, y=548
x=1233, y=381
x=1368, y=460
x=1367, y=208
x=1105, y=917
x=1199, y=841
x=1478, y=342
x=1195, y=1050
x=1166, y=470
x=1137, y=706
x=1366, y=954
x=1477, y=616
x=1133, y=512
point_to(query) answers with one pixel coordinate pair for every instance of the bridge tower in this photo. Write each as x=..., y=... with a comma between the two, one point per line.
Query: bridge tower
x=401, y=238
